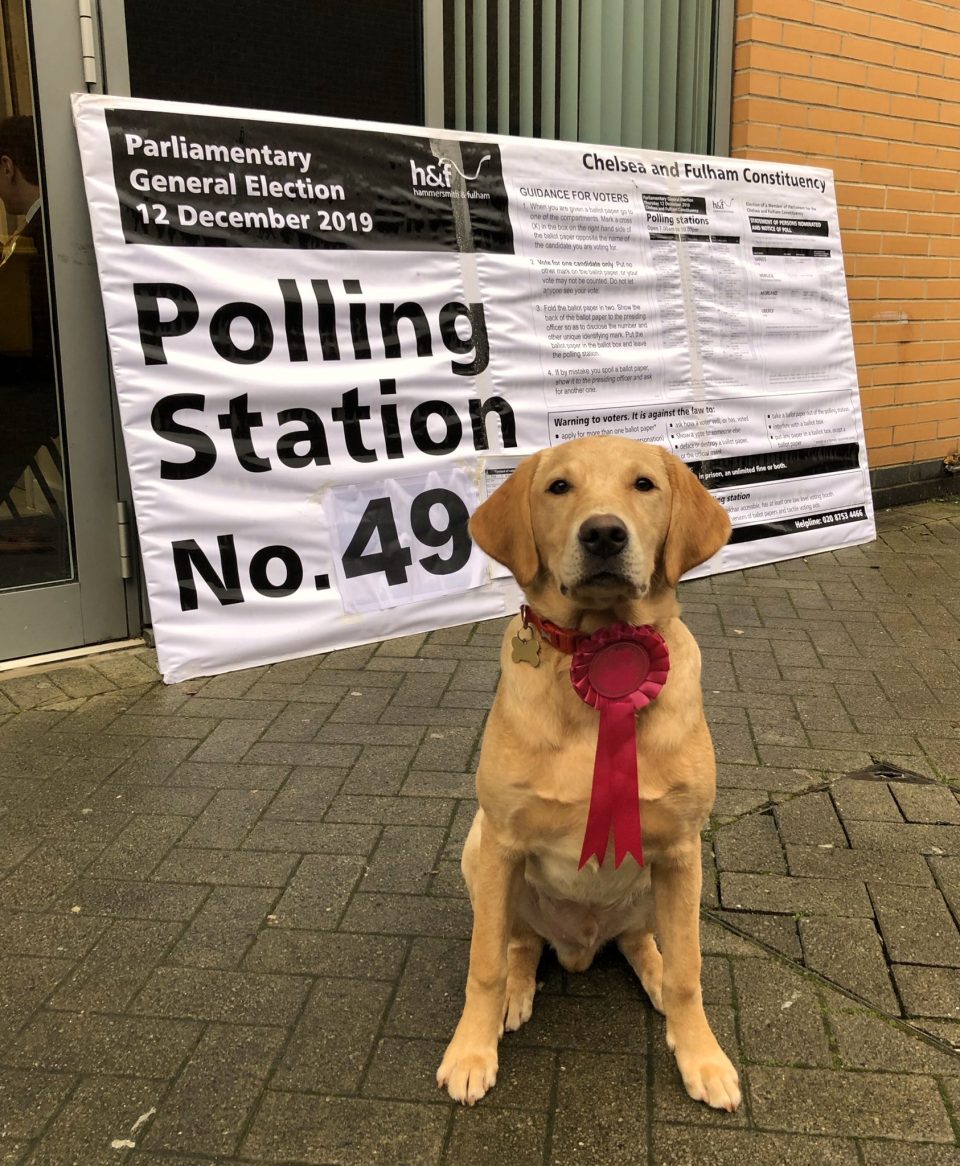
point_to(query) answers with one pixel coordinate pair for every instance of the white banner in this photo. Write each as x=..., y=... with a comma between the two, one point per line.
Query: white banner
x=331, y=338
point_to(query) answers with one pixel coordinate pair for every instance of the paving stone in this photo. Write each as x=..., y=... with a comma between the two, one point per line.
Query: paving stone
x=866, y=1042
x=927, y=803
x=136, y=852
x=404, y=859
x=243, y=868
x=312, y=837
x=861, y=1104
x=117, y=966
x=74, y=1042
x=780, y=1016
x=408, y=915
x=101, y=1113
x=377, y=957
x=346, y=1130
x=670, y=1100
x=916, y=925
x=429, y=996
x=334, y=1037
x=226, y=996
x=752, y=844
x=306, y=795
x=405, y=1070
x=683, y=1145
x=319, y=891
x=228, y=818
x=849, y=953
x=811, y=820
x=211, y=775
x=784, y=895
x=776, y=931
x=887, y=866
x=878, y=1154
x=929, y=991
x=922, y=839
x=208, y=1107
x=496, y=1135
x=29, y=1099
x=599, y=1117
x=398, y=811
x=223, y=929
x=132, y=900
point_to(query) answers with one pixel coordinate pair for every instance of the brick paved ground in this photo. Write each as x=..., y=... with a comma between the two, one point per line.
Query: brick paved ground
x=232, y=926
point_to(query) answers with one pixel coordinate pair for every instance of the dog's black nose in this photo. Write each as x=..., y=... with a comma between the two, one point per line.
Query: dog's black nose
x=603, y=535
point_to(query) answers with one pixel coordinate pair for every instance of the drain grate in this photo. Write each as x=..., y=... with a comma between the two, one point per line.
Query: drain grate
x=887, y=771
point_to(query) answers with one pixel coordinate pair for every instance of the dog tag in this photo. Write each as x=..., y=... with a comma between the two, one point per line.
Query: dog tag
x=526, y=651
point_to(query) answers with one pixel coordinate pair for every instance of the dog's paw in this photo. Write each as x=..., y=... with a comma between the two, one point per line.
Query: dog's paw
x=519, y=1005
x=712, y=1080
x=468, y=1075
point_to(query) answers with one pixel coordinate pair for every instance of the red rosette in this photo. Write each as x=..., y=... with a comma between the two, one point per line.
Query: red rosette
x=618, y=670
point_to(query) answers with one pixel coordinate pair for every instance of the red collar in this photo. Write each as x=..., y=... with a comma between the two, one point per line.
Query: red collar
x=563, y=639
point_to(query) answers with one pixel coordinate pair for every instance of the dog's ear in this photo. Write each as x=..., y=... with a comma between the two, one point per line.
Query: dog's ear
x=699, y=525
x=503, y=527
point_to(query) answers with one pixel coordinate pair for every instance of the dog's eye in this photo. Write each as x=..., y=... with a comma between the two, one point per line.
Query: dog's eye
x=643, y=485
x=560, y=486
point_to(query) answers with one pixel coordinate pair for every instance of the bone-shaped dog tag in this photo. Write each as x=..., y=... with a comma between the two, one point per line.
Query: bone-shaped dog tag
x=526, y=651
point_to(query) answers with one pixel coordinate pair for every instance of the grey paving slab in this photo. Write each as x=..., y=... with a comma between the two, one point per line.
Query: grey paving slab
x=233, y=927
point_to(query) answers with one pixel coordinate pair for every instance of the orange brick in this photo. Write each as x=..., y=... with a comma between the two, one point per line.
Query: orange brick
x=874, y=419
x=840, y=121
x=939, y=88
x=883, y=174
x=885, y=454
x=841, y=71
x=758, y=28
x=812, y=39
x=808, y=142
x=753, y=81
x=859, y=195
x=940, y=180
x=866, y=149
x=865, y=100
x=864, y=48
x=879, y=266
x=948, y=429
x=762, y=137
x=862, y=243
x=946, y=202
x=778, y=113
x=800, y=10
x=938, y=14
x=915, y=155
x=900, y=32
x=894, y=129
x=894, y=80
x=916, y=108
x=939, y=330
x=938, y=40
x=885, y=7
x=838, y=15
x=920, y=431
x=918, y=61
x=933, y=224
x=871, y=220
x=910, y=200
x=895, y=243
x=808, y=92
x=773, y=59
x=877, y=395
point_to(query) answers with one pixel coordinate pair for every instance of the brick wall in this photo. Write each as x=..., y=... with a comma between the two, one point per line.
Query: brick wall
x=871, y=89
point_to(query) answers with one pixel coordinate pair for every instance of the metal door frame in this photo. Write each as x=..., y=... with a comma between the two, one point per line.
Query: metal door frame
x=98, y=605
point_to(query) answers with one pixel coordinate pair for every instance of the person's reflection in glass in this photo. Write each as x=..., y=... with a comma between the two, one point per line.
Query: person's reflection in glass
x=28, y=400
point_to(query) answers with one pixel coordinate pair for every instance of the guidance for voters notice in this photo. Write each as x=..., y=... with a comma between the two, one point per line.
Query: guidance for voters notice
x=332, y=339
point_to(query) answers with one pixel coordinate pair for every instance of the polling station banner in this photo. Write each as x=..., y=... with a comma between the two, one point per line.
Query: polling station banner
x=332, y=339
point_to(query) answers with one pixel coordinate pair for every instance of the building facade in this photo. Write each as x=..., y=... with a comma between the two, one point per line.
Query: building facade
x=867, y=88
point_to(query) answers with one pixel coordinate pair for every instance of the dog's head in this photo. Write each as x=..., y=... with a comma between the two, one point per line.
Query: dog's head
x=602, y=520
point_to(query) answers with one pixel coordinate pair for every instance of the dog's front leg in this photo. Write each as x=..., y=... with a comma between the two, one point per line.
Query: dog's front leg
x=707, y=1072
x=469, y=1066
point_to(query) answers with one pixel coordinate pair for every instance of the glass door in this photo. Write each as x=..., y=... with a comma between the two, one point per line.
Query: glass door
x=60, y=567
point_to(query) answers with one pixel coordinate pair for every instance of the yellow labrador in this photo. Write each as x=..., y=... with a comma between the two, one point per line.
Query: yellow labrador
x=595, y=531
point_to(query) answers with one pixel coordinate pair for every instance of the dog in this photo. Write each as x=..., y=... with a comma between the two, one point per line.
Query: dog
x=597, y=533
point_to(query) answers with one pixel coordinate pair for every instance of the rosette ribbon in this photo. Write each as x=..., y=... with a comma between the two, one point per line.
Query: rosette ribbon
x=618, y=670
